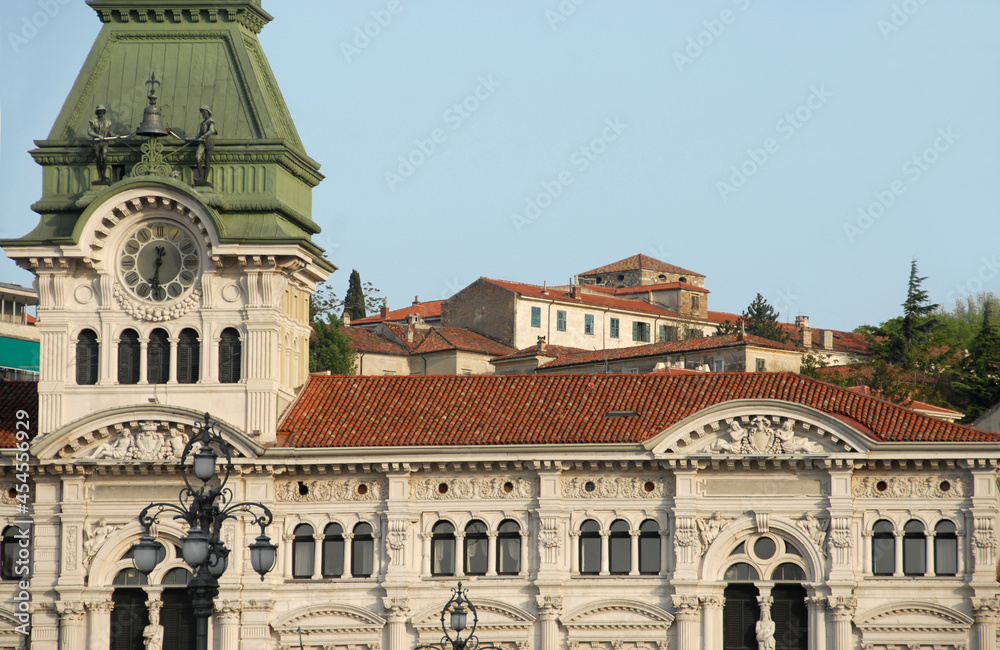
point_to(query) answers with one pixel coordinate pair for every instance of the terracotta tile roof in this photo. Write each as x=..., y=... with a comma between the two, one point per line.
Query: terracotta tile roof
x=425, y=340
x=586, y=298
x=427, y=310
x=337, y=411
x=842, y=341
x=668, y=347
x=641, y=262
x=367, y=341
x=17, y=396
x=916, y=405
x=665, y=286
x=551, y=351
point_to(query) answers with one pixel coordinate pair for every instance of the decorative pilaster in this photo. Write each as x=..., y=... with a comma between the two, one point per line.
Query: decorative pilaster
x=395, y=542
x=634, y=552
x=687, y=612
x=228, y=614
x=986, y=612
x=100, y=623
x=711, y=617
x=984, y=543
x=71, y=625
x=397, y=610
x=549, y=608
x=425, y=553
x=605, y=571
x=816, y=606
x=842, y=612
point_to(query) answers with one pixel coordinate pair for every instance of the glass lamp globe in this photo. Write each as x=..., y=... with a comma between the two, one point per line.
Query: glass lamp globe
x=146, y=554
x=262, y=555
x=218, y=560
x=458, y=618
x=204, y=464
x=194, y=547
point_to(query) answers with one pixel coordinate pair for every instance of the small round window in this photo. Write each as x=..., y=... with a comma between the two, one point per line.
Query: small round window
x=764, y=548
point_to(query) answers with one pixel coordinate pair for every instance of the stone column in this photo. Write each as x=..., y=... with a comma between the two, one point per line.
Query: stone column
x=866, y=558
x=817, y=622
x=425, y=554
x=491, y=553
x=549, y=608
x=143, y=367
x=286, y=548
x=664, y=553
x=604, y=553
x=459, y=553
x=711, y=618
x=228, y=613
x=397, y=611
x=687, y=613
x=842, y=612
x=986, y=612
x=574, y=552
x=524, y=554
x=152, y=634
x=898, y=569
x=172, y=377
x=929, y=567
x=100, y=623
x=634, y=539
x=348, y=555
x=72, y=625
x=318, y=556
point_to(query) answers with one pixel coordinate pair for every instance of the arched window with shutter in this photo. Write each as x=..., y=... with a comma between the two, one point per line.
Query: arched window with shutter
x=590, y=547
x=508, y=548
x=914, y=548
x=230, y=356
x=620, y=548
x=303, y=551
x=128, y=357
x=945, y=548
x=158, y=357
x=883, y=548
x=649, y=547
x=476, y=548
x=443, y=549
x=363, y=551
x=333, y=551
x=188, y=357
x=88, y=352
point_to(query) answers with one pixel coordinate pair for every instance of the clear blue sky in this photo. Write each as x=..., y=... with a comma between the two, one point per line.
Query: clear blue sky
x=624, y=123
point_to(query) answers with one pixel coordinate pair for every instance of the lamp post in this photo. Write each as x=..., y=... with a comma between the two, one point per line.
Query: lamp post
x=455, y=614
x=205, y=508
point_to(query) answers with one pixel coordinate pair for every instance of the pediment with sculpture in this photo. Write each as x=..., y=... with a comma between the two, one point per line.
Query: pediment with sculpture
x=759, y=428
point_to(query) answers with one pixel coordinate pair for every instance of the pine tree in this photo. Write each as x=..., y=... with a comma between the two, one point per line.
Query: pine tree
x=759, y=319
x=354, y=303
x=910, y=346
x=976, y=386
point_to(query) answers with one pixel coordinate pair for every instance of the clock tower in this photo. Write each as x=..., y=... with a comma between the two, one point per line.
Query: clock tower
x=173, y=255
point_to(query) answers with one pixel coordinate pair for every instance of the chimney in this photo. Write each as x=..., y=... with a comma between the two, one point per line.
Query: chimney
x=574, y=292
x=545, y=287
x=385, y=309
x=416, y=300
x=801, y=322
x=345, y=320
x=540, y=344
x=827, y=339
x=409, y=333
x=807, y=337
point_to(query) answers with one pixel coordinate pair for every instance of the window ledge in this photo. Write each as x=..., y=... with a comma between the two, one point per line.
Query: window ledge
x=955, y=578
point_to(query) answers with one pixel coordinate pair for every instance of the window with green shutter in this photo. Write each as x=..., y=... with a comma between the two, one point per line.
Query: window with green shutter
x=536, y=316
x=613, y=327
x=561, y=321
x=588, y=324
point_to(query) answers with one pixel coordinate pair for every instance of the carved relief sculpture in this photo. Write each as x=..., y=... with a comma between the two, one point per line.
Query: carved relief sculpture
x=763, y=438
x=96, y=535
x=815, y=528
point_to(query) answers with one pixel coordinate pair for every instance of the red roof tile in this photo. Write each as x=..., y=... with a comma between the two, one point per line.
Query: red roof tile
x=426, y=310
x=585, y=298
x=17, y=396
x=367, y=341
x=668, y=347
x=425, y=340
x=551, y=351
x=641, y=262
x=334, y=411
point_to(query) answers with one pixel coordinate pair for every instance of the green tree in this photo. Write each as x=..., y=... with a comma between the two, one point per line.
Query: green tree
x=759, y=319
x=330, y=348
x=976, y=383
x=354, y=302
x=811, y=366
x=909, y=349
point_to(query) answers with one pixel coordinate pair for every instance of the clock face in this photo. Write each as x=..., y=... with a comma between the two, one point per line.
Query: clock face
x=159, y=262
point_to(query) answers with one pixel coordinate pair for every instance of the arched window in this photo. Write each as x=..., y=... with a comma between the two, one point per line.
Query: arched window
x=914, y=549
x=620, y=548
x=303, y=551
x=508, y=548
x=590, y=547
x=788, y=572
x=230, y=356
x=741, y=572
x=443, y=549
x=945, y=548
x=178, y=577
x=476, y=549
x=128, y=357
x=188, y=357
x=363, y=551
x=129, y=578
x=333, y=551
x=177, y=612
x=88, y=352
x=158, y=357
x=883, y=548
x=649, y=547
x=8, y=557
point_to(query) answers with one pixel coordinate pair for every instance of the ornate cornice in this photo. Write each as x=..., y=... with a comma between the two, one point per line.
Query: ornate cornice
x=498, y=487
x=907, y=487
x=247, y=13
x=323, y=490
x=615, y=487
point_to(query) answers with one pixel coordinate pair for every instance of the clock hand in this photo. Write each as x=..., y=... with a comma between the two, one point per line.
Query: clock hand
x=154, y=282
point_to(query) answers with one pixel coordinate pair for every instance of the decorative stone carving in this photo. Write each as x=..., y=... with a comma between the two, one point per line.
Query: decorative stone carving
x=763, y=438
x=348, y=489
x=71, y=544
x=145, y=440
x=710, y=527
x=472, y=488
x=229, y=610
x=71, y=611
x=905, y=487
x=95, y=535
x=842, y=607
x=615, y=487
x=686, y=607
x=815, y=528
x=156, y=314
x=548, y=606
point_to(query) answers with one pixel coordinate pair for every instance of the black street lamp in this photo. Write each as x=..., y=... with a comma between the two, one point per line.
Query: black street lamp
x=205, y=509
x=454, y=612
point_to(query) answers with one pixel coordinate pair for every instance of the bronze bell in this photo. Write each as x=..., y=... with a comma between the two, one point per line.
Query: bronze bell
x=152, y=120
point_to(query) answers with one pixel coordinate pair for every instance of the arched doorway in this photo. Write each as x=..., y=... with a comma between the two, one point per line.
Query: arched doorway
x=739, y=617
x=177, y=614
x=130, y=615
x=788, y=610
